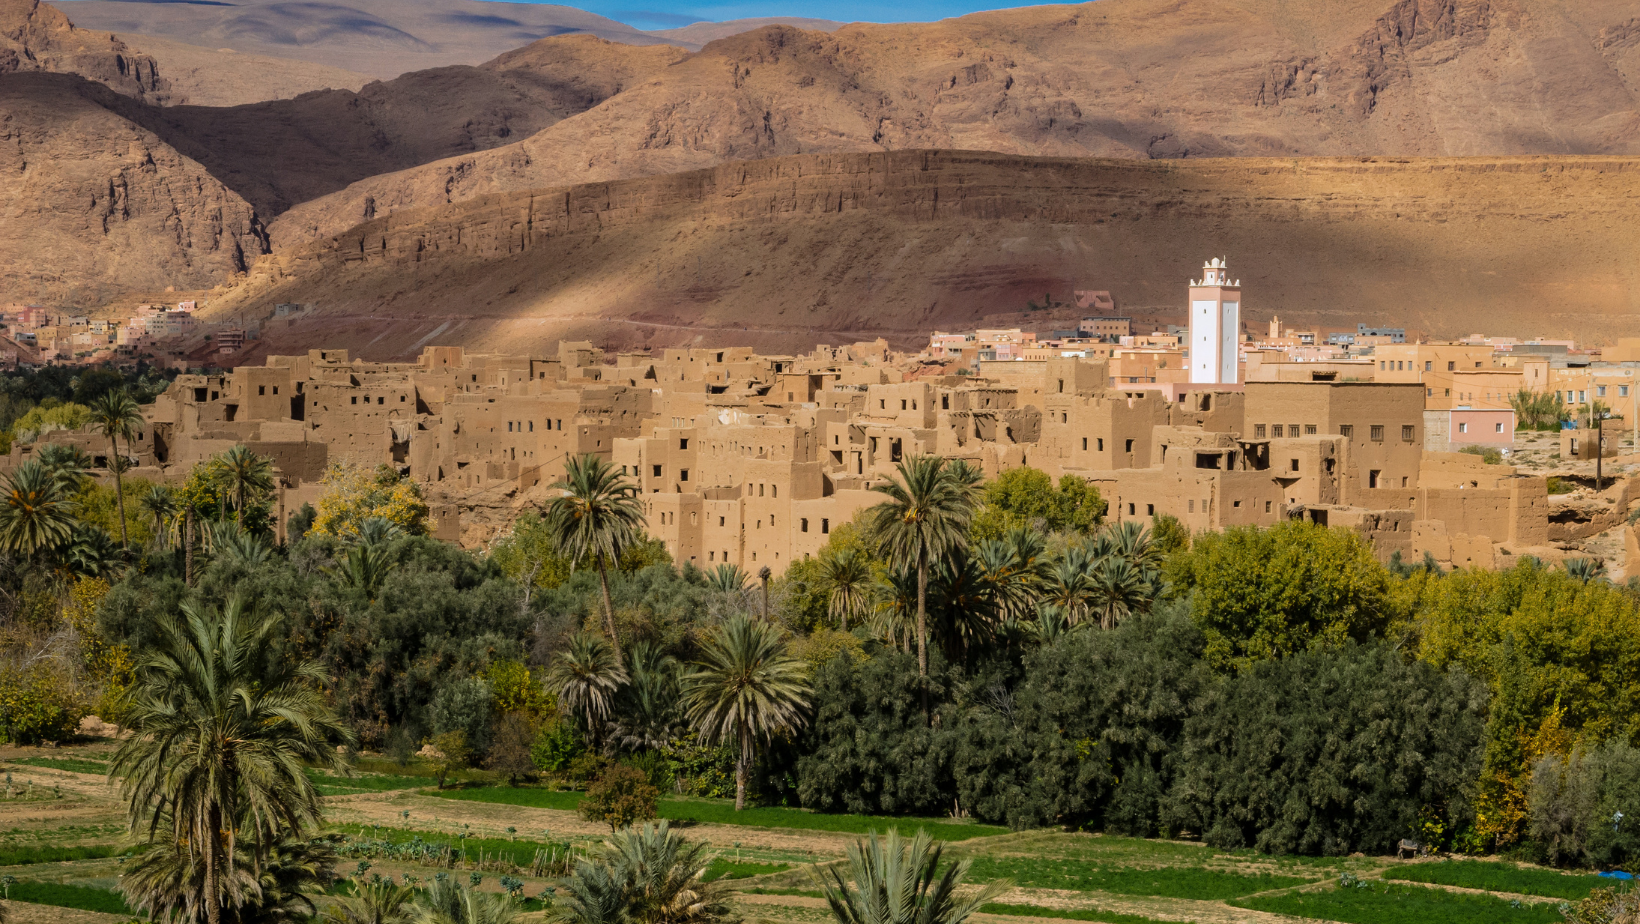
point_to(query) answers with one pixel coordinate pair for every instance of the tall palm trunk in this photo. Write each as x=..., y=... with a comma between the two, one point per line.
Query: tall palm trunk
x=609, y=611
x=188, y=547
x=119, y=485
x=743, y=768
x=922, y=628
x=213, y=893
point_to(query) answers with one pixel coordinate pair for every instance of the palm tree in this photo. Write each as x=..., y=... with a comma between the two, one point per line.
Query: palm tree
x=364, y=567
x=36, y=511
x=647, y=707
x=245, y=474
x=160, y=504
x=1117, y=589
x=1015, y=566
x=846, y=578
x=448, y=902
x=68, y=464
x=647, y=875
x=597, y=517
x=116, y=414
x=222, y=728
x=1070, y=583
x=378, y=531
x=379, y=901
x=744, y=687
x=91, y=552
x=898, y=883
x=585, y=677
x=1585, y=569
x=926, y=515
x=263, y=886
x=894, y=611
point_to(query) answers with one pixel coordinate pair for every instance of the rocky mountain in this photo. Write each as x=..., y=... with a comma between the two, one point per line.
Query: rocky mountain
x=37, y=38
x=383, y=38
x=93, y=205
x=223, y=77
x=785, y=252
x=1115, y=78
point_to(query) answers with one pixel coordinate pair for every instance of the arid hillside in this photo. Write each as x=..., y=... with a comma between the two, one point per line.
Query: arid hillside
x=94, y=206
x=1115, y=78
x=785, y=252
x=36, y=37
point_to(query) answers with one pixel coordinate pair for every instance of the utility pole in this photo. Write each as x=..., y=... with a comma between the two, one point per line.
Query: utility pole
x=1599, y=446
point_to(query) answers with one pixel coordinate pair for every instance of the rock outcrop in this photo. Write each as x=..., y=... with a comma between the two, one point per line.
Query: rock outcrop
x=92, y=206
x=781, y=253
x=37, y=37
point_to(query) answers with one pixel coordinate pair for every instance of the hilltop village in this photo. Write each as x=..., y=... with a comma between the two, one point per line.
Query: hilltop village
x=752, y=460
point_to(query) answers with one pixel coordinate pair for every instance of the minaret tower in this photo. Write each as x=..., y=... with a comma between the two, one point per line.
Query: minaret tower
x=1215, y=326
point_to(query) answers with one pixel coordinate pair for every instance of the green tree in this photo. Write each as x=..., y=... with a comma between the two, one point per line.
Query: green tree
x=1026, y=498
x=116, y=414
x=265, y=885
x=1266, y=593
x=222, y=727
x=620, y=797
x=743, y=688
x=243, y=474
x=596, y=518
x=892, y=882
x=846, y=577
x=585, y=677
x=160, y=505
x=37, y=513
x=926, y=516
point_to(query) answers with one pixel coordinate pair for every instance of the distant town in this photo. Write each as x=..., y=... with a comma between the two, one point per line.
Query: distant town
x=751, y=460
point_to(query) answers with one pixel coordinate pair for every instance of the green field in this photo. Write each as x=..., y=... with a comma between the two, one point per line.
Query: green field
x=722, y=812
x=71, y=764
x=1500, y=877
x=332, y=784
x=1382, y=903
x=1072, y=914
x=519, y=851
x=1169, y=882
x=84, y=898
x=49, y=853
x=744, y=869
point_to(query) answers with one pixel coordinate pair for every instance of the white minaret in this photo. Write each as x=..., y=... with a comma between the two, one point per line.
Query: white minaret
x=1215, y=326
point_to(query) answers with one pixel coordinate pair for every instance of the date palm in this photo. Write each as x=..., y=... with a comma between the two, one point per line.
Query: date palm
x=1117, y=589
x=160, y=504
x=36, y=512
x=648, y=875
x=263, y=887
x=448, y=902
x=585, y=677
x=597, y=517
x=378, y=902
x=244, y=474
x=68, y=464
x=926, y=516
x=744, y=688
x=222, y=729
x=892, y=882
x=1070, y=584
x=845, y=576
x=115, y=414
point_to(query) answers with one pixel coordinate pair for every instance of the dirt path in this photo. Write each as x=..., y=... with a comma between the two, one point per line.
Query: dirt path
x=1170, y=909
x=28, y=913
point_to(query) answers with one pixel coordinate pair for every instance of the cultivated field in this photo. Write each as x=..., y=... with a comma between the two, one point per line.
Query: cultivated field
x=62, y=845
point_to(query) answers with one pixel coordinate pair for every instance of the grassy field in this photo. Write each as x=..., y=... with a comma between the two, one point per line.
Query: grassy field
x=1072, y=914
x=71, y=764
x=722, y=812
x=1384, y=903
x=1501, y=877
x=1168, y=881
x=331, y=784
x=84, y=898
x=50, y=853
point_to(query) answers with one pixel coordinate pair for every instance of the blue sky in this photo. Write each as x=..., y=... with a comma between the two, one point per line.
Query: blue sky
x=663, y=14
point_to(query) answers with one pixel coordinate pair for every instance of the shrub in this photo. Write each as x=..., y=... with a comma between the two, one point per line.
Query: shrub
x=36, y=704
x=556, y=745
x=1488, y=455
x=619, y=797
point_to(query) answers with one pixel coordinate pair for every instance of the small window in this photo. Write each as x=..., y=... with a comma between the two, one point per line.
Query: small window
x=1378, y=433
x=1084, y=444
x=1150, y=510
x=1101, y=444
x=720, y=523
x=1406, y=433
x=1130, y=510
x=1429, y=366
x=1192, y=506
x=1463, y=428
x=902, y=404
x=683, y=474
x=401, y=401
x=1497, y=428
x=1266, y=506
x=1372, y=478
x=355, y=399
x=1293, y=465
x=1276, y=430
x=381, y=400
x=683, y=442
x=1451, y=366
x=1622, y=391
x=1258, y=431
x=774, y=490
x=1346, y=430
x=261, y=389
x=825, y=525
x=1129, y=446
x=1309, y=429
x=657, y=470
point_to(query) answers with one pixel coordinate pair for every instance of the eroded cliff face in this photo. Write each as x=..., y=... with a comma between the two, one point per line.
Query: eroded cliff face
x=786, y=252
x=91, y=206
x=1117, y=78
x=36, y=37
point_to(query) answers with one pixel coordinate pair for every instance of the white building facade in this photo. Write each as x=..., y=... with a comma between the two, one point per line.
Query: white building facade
x=1215, y=326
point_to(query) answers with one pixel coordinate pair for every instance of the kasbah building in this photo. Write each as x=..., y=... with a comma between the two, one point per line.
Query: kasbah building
x=753, y=460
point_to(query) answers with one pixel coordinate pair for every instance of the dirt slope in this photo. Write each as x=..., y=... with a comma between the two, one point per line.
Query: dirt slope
x=93, y=205
x=223, y=77
x=1116, y=78
x=782, y=253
